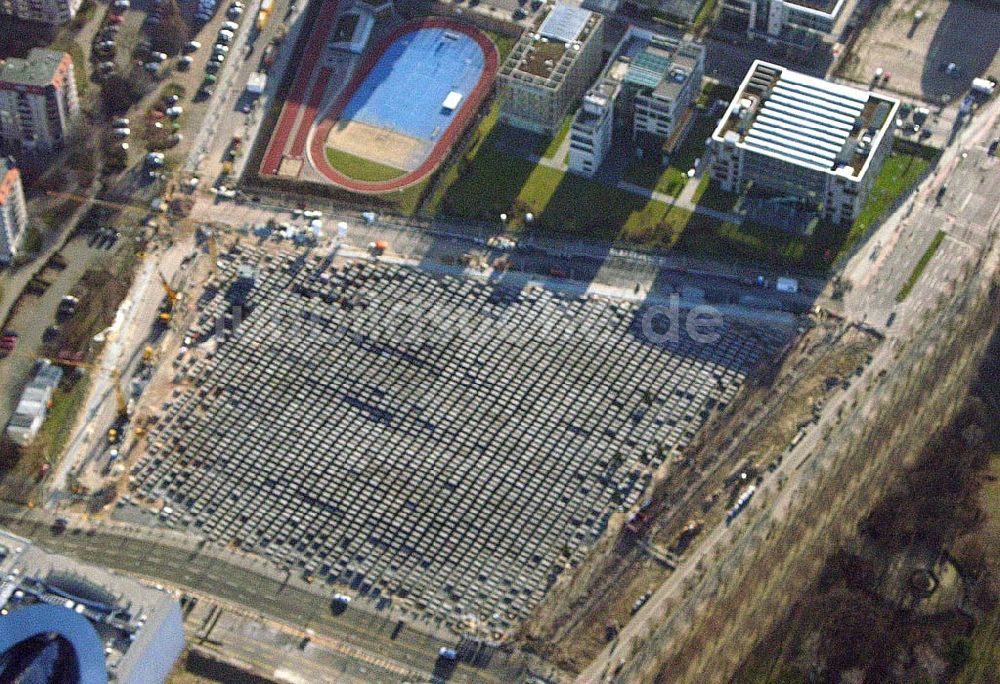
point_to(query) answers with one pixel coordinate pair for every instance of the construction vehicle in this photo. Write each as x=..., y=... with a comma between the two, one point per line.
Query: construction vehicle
x=167, y=308
x=378, y=248
x=687, y=535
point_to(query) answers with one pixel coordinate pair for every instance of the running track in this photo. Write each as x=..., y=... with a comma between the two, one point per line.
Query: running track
x=298, y=96
x=317, y=151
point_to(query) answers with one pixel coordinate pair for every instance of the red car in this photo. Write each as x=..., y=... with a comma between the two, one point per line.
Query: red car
x=8, y=341
x=115, y=19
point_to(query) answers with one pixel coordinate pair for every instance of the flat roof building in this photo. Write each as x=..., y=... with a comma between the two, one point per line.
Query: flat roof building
x=13, y=211
x=38, y=100
x=33, y=406
x=548, y=70
x=649, y=84
x=137, y=631
x=795, y=22
x=801, y=136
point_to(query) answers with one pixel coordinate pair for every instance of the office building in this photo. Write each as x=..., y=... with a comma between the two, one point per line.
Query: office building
x=802, y=137
x=548, y=70
x=45, y=11
x=79, y=623
x=38, y=100
x=13, y=211
x=794, y=22
x=646, y=92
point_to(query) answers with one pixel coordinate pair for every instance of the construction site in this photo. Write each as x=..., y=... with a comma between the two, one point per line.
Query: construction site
x=448, y=445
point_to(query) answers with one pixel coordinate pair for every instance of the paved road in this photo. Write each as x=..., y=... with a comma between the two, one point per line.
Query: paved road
x=974, y=221
x=251, y=583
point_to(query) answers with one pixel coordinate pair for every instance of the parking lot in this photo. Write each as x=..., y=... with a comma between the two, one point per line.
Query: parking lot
x=443, y=442
x=917, y=54
x=184, y=73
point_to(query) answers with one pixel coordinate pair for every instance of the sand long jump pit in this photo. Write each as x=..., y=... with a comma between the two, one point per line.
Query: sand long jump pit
x=406, y=105
x=380, y=145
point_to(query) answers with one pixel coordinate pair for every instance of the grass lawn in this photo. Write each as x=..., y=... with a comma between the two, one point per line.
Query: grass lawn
x=647, y=173
x=553, y=146
x=358, y=168
x=562, y=203
x=921, y=265
x=899, y=173
x=503, y=43
x=672, y=179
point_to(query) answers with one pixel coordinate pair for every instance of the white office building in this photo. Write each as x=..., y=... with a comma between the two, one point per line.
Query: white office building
x=796, y=22
x=646, y=92
x=802, y=137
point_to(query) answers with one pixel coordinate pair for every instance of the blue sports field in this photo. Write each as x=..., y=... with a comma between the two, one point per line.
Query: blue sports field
x=406, y=88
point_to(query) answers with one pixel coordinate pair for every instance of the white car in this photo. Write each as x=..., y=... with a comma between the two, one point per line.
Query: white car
x=174, y=111
x=230, y=26
x=155, y=158
x=220, y=49
x=192, y=46
x=157, y=57
x=342, y=599
x=122, y=132
x=312, y=214
x=122, y=4
x=120, y=123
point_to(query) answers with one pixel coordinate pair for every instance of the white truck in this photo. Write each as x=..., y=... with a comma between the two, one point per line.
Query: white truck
x=256, y=83
x=787, y=285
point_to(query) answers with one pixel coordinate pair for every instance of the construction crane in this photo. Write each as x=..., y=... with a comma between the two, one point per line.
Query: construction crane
x=122, y=413
x=167, y=309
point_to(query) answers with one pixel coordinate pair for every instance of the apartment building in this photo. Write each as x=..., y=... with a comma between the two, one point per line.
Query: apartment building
x=646, y=92
x=795, y=22
x=38, y=100
x=799, y=136
x=44, y=11
x=13, y=211
x=548, y=70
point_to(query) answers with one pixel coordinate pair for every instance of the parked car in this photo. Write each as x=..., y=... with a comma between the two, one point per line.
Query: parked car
x=175, y=111
x=121, y=133
x=157, y=57
x=185, y=62
x=230, y=26
x=192, y=46
x=122, y=5
x=152, y=67
x=121, y=122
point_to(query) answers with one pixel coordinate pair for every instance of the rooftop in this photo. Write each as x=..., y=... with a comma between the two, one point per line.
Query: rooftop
x=547, y=53
x=125, y=614
x=806, y=120
x=38, y=69
x=824, y=6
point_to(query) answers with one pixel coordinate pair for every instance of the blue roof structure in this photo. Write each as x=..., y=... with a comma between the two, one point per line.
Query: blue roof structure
x=32, y=621
x=564, y=23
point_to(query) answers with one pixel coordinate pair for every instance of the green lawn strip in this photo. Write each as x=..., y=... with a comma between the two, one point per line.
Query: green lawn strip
x=899, y=173
x=504, y=44
x=921, y=265
x=79, y=62
x=710, y=195
x=562, y=203
x=554, y=144
x=646, y=173
x=704, y=14
x=360, y=169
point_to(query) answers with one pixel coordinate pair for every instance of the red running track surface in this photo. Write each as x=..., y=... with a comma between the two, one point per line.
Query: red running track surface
x=289, y=114
x=309, y=116
x=317, y=150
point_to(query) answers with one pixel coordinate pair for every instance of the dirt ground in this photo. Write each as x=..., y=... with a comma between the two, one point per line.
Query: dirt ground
x=962, y=32
x=378, y=144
